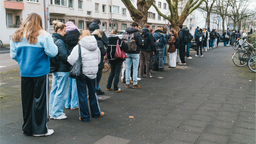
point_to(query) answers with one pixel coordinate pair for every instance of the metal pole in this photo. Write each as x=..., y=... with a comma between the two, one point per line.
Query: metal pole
x=111, y=14
x=48, y=16
x=44, y=17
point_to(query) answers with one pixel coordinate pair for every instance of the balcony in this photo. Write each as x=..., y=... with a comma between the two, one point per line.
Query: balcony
x=14, y=4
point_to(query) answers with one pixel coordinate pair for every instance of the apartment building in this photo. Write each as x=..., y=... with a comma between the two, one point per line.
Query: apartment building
x=81, y=13
x=12, y=14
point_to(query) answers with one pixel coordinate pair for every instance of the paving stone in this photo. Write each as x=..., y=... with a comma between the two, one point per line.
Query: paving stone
x=113, y=140
x=200, y=141
x=214, y=138
x=246, y=125
x=217, y=130
x=184, y=135
x=240, y=138
x=204, y=118
x=222, y=124
x=238, y=130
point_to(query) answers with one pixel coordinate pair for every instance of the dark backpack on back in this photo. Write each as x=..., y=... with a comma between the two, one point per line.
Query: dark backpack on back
x=129, y=39
x=54, y=62
x=145, y=42
x=186, y=36
x=177, y=43
x=213, y=35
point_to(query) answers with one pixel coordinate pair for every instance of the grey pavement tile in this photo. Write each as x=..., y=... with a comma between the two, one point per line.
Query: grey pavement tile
x=204, y=118
x=78, y=138
x=238, y=130
x=195, y=123
x=175, y=141
x=200, y=141
x=205, y=112
x=222, y=124
x=240, y=138
x=246, y=125
x=247, y=114
x=192, y=128
x=225, y=118
x=214, y=138
x=112, y=140
x=183, y=135
x=228, y=113
x=246, y=119
x=217, y=130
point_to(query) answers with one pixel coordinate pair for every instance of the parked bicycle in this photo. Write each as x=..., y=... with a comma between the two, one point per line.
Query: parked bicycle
x=242, y=55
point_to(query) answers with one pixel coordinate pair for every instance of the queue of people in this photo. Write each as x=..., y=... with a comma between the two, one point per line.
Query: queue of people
x=39, y=53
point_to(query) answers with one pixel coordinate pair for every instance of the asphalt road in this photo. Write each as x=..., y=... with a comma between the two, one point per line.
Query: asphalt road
x=206, y=102
x=6, y=63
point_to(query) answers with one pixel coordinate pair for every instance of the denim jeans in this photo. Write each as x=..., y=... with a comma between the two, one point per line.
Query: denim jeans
x=164, y=54
x=82, y=84
x=188, y=49
x=132, y=59
x=71, y=101
x=114, y=74
x=59, y=93
x=212, y=42
x=225, y=43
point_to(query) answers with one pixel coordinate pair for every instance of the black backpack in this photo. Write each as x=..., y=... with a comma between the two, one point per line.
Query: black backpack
x=54, y=61
x=213, y=35
x=177, y=43
x=145, y=42
x=186, y=36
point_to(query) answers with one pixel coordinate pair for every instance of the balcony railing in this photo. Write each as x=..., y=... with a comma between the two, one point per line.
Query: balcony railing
x=15, y=0
x=14, y=4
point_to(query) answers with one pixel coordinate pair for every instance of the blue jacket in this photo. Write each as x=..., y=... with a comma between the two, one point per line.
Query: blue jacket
x=34, y=59
x=151, y=45
x=93, y=26
x=158, y=34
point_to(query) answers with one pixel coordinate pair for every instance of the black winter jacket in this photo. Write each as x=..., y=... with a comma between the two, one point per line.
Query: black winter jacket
x=181, y=36
x=198, y=35
x=137, y=38
x=102, y=51
x=62, y=55
x=71, y=39
x=150, y=38
x=111, y=52
x=225, y=39
x=93, y=26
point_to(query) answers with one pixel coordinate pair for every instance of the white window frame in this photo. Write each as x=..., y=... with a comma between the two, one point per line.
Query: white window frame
x=159, y=4
x=81, y=4
x=104, y=28
x=97, y=7
x=153, y=16
x=104, y=7
x=7, y=20
x=36, y=1
x=89, y=12
x=82, y=25
x=164, y=5
x=111, y=9
x=123, y=11
x=123, y=25
x=72, y=2
x=159, y=17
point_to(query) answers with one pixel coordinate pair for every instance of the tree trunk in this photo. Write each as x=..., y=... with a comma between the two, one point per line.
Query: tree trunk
x=223, y=23
x=208, y=19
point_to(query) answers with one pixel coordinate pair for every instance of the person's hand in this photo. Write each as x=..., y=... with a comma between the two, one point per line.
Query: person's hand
x=153, y=53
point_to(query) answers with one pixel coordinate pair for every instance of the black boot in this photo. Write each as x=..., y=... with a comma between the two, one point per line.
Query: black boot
x=99, y=92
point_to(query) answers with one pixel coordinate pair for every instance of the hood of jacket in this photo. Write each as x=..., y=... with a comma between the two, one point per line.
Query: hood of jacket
x=89, y=43
x=158, y=34
x=145, y=30
x=57, y=36
x=131, y=30
x=70, y=26
x=71, y=37
x=93, y=26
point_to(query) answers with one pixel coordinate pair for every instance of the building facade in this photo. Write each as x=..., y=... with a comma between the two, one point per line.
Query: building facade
x=112, y=13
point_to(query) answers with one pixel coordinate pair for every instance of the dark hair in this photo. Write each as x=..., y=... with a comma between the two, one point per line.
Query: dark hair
x=97, y=21
x=180, y=26
x=134, y=24
x=146, y=25
x=165, y=28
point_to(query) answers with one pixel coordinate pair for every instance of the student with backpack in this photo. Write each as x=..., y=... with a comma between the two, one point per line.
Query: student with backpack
x=71, y=39
x=182, y=42
x=199, y=42
x=173, y=35
x=159, y=36
x=147, y=48
x=190, y=37
x=60, y=77
x=132, y=38
x=226, y=37
x=212, y=38
x=115, y=63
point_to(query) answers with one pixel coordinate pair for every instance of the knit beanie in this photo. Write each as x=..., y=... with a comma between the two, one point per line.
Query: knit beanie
x=70, y=26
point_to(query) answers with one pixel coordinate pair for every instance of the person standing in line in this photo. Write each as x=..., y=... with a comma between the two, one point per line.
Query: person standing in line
x=197, y=29
x=60, y=76
x=182, y=45
x=228, y=32
x=115, y=63
x=71, y=39
x=190, y=37
x=172, y=50
x=93, y=26
x=212, y=38
x=206, y=40
x=165, y=31
x=225, y=38
x=244, y=35
x=147, y=48
x=233, y=37
x=199, y=43
x=159, y=36
x=218, y=38
x=133, y=57
x=91, y=56
x=32, y=47
x=153, y=52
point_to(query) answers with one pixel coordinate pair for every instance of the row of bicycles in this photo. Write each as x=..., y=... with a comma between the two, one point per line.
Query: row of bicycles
x=245, y=54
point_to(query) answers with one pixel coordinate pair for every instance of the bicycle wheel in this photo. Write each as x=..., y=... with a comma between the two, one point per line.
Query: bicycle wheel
x=106, y=67
x=235, y=45
x=240, y=58
x=252, y=63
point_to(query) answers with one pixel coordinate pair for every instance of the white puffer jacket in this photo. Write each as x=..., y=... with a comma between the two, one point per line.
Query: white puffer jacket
x=90, y=56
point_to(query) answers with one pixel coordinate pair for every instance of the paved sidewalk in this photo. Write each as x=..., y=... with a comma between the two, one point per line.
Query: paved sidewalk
x=208, y=101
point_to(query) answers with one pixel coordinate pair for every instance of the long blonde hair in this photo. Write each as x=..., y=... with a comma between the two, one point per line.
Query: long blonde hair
x=84, y=33
x=58, y=25
x=113, y=32
x=98, y=32
x=30, y=27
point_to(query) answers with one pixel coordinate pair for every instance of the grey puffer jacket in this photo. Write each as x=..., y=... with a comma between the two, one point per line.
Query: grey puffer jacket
x=137, y=38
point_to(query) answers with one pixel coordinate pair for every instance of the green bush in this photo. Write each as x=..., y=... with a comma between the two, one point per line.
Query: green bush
x=251, y=38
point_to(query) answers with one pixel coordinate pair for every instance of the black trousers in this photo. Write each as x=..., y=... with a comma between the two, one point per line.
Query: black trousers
x=99, y=75
x=199, y=45
x=115, y=73
x=34, y=96
x=182, y=53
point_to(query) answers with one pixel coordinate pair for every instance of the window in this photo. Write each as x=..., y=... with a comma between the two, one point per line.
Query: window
x=8, y=19
x=81, y=25
x=164, y=5
x=70, y=4
x=124, y=11
x=115, y=26
x=104, y=8
x=51, y=20
x=154, y=16
x=110, y=27
x=124, y=26
x=72, y=21
x=96, y=7
x=62, y=20
x=89, y=13
x=114, y=9
x=59, y=2
x=153, y=28
x=17, y=18
x=64, y=2
x=159, y=17
x=80, y=4
x=33, y=0
x=159, y=4
x=104, y=26
x=149, y=14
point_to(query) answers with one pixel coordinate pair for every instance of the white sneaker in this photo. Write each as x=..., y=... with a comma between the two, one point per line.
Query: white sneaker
x=206, y=50
x=60, y=117
x=196, y=55
x=50, y=132
x=138, y=78
x=63, y=114
x=189, y=57
x=202, y=55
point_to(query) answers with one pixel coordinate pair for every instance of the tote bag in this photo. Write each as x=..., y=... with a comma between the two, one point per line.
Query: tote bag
x=76, y=69
x=120, y=54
